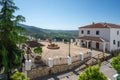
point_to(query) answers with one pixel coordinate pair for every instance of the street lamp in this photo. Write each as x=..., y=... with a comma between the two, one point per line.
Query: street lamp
x=68, y=57
x=69, y=47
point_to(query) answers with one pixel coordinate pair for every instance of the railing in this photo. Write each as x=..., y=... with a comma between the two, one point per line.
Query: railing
x=64, y=60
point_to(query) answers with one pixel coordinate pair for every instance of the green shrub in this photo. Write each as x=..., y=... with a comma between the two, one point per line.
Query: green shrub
x=38, y=50
x=19, y=76
x=92, y=73
x=116, y=63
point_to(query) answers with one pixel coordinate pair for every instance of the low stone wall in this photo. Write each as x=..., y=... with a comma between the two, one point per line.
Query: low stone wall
x=37, y=72
x=43, y=71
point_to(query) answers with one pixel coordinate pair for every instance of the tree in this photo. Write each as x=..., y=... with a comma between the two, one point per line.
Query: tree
x=92, y=73
x=116, y=63
x=10, y=55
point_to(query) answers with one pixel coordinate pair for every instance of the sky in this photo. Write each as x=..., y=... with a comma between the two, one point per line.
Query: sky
x=68, y=14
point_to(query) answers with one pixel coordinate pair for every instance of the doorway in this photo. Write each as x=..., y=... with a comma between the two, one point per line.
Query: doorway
x=89, y=44
x=97, y=45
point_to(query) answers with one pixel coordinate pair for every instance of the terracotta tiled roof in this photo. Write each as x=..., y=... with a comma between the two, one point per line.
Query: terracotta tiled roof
x=101, y=25
x=97, y=39
x=34, y=44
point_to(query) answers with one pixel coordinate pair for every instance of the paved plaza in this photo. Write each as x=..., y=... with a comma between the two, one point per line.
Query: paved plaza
x=64, y=50
x=73, y=74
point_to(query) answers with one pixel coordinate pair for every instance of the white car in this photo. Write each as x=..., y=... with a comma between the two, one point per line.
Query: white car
x=116, y=77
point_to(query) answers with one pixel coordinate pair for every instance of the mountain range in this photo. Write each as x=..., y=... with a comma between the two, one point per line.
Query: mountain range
x=49, y=34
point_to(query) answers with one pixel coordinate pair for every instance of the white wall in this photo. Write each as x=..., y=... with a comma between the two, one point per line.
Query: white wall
x=114, y=36
x=104, y=32
x=109, y=34
x=93, y=44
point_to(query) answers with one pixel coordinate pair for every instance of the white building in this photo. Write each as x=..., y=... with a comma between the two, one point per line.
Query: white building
x=101, y=36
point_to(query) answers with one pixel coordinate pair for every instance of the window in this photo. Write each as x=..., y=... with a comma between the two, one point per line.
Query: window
x=82, y=32
x=118, y=43
x=88, y=32
x=114, y=42
x=117, y=32
x=97, y=32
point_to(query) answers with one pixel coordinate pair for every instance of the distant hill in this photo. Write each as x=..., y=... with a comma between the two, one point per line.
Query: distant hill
x=47, y=33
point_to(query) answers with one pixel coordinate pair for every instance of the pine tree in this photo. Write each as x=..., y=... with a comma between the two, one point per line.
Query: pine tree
x=10, y=55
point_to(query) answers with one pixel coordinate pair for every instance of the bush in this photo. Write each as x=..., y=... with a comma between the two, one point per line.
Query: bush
x=19, y=76
x=38, y=50
x=92, y=73
x=116, y=63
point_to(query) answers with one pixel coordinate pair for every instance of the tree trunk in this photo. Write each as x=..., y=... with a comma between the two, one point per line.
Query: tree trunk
x=8, y=76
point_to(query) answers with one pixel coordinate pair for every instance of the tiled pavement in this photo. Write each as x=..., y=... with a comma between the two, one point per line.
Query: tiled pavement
x=64, y=50
x=107, y=69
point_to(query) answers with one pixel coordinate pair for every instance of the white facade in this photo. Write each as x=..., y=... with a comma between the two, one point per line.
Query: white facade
x=108, y=34
x=114, y=35
x=104, y=32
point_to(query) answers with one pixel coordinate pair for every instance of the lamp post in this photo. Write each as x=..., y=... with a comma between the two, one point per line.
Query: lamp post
x=68, y=57
x=69, y=47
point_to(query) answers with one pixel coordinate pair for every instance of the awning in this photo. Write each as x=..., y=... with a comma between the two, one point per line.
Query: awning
x=90, y=38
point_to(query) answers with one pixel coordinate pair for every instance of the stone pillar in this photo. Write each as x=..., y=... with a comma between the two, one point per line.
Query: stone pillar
x=91, y=54
x=76, y=40
x=103, y=46
x=80, y=42
x=39, y=39
x=54, y=40
x=50, y=62
x=28, y=64
x=71, y=40
x=87, y=43
x=63, y=40
x=69, y=60
x=81, y=56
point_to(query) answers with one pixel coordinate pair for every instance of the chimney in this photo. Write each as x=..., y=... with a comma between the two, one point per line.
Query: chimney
x=105, y=24
x=93, y=23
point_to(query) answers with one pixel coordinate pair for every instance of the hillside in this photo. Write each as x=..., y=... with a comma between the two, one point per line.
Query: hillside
x=47, y=33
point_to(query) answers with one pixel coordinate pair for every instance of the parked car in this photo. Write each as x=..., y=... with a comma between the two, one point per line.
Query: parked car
x=116, y=77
